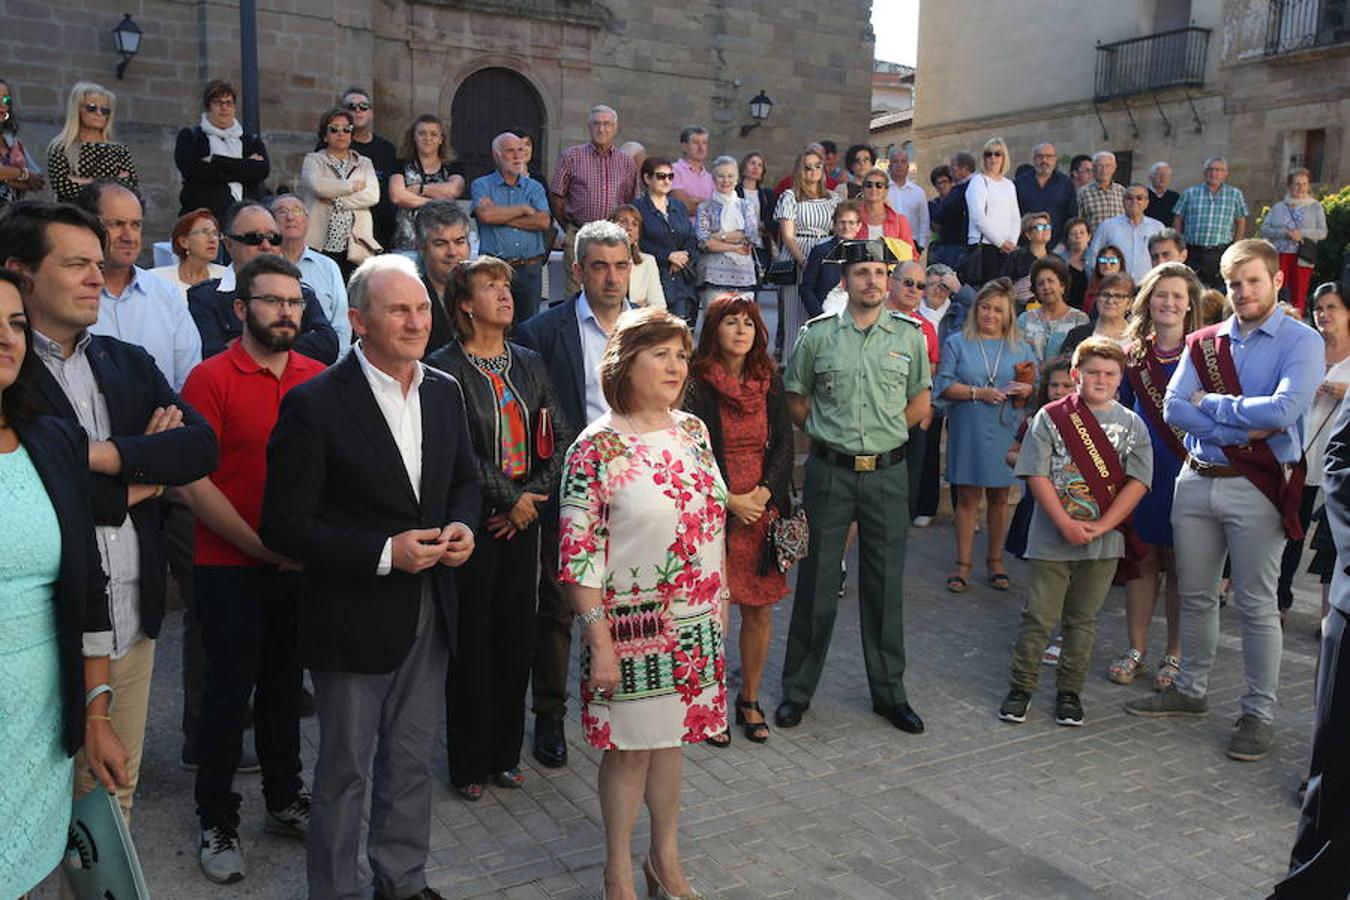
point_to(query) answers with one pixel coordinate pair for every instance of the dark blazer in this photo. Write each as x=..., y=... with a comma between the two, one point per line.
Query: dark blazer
x=952, y=219
x=528, y=380
x=768, y=225
x=704, y=401
x=819, y=277
x=60, y=453
x=663, y=235
x=207, y=184
x=442, y=329
x=553, y=334
x=336, y=490
x=213, y=311
x=1336, y=484
x=133, y=387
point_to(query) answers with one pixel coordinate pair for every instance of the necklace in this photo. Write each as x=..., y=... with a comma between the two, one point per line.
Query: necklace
x=991, y=372
x=494, y=364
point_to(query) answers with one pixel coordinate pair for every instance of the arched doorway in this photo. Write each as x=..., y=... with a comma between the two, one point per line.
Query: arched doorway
x=489, y=102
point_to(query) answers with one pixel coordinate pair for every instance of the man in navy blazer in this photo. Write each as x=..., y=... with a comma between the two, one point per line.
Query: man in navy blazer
x=820, y=277
x=142, y=437
x=571, y=338
x=371, y=479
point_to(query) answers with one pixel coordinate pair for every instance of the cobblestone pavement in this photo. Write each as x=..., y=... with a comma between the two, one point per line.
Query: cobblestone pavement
x=845, y=805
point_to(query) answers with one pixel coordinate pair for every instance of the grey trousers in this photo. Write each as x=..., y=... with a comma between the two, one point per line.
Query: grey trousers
x=391, y=720
x=1213, y=518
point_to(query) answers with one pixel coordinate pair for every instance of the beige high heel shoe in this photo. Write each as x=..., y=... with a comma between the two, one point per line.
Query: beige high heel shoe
x=658, y=890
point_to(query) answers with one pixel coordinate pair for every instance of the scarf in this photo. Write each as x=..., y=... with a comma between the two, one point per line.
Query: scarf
x=745, y=398
x=732, y=218
x=935, y=315
x=226, y=142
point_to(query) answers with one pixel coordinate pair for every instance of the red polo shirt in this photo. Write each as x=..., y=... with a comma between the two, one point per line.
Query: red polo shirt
x=240, y=400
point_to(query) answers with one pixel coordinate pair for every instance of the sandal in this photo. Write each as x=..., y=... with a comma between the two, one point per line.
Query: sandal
x=471, y=792
x=509, y=778
x=997, y=580
x=1127, y=668
x=1167, y=673
x=721, y=740
x=754, y=731
x=956, y=582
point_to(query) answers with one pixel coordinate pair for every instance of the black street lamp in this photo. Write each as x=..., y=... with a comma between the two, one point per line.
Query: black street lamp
x=760, y=107
x=127, y=37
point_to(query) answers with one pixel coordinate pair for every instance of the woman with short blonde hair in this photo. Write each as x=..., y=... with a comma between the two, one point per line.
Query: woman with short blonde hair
x=84, y=151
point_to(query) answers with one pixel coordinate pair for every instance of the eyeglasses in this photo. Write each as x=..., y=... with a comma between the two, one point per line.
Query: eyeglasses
x=991, y=154
x=931, y=286
x=1135, y=198
x=340, y=129
x=875, y=185
x=358, y=107
x=908, y=282
x=207, y=232
x=99, y=110
x=223, y=101
x=1113, y=295
x=273, y=301
x=1108, y=260
x=663, y=176
x=289, y=211
x=257, y=238
x=1040, y=226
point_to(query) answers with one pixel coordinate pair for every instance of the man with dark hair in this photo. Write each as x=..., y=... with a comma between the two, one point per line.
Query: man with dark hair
x=951, y=220
x=1080, y=171
x=443, y=243
x=1048, y=190
x=381, y=152
x=246, y=597
x=833, y=171
x=250, y=231
x=142, y=436
x=693, y=182
x=1166, y=245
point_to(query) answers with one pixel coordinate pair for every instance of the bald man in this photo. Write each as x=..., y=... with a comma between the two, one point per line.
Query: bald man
x=514, y=221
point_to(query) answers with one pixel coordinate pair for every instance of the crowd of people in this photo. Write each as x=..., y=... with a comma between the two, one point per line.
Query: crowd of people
x=356, y=448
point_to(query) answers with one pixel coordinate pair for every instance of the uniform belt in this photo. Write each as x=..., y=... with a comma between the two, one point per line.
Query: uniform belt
x=863, y=463
x=1211, y=470
x=527, y=261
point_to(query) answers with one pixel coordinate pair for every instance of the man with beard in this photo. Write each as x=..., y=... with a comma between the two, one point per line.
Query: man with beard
x=246, y=595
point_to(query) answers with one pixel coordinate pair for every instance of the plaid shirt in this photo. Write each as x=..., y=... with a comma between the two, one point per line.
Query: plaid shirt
x=1096, y=205
x=593, y=184
x=1209, y=217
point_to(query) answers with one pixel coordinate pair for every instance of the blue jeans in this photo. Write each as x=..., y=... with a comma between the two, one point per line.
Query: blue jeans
x=526, y=286
x=947, y=254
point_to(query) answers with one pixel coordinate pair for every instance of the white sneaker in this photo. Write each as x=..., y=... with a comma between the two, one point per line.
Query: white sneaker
x=1051, y=655
x=221, y=859
x=922, y=521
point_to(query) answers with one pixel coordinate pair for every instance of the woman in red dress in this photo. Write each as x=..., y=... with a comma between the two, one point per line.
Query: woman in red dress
x=738, y=393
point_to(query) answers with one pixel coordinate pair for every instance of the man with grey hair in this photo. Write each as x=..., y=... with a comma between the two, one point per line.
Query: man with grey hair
x=378, y=527
x=442, y=243
x=1101, y=198
x=571, y=337
x=1212, y=215
x=635, y=151
x=1130, y=232
x=1048, y=190
x=693, y=182
x=591, y=181
x=908, y=198
x=513, y=218
x=1162, y=200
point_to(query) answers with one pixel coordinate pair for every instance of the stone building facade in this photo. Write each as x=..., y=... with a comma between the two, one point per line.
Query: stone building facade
x=501, y=63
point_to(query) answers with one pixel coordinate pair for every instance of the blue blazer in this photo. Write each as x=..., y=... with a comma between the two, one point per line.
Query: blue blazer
x=819, y=278
x=663, y=235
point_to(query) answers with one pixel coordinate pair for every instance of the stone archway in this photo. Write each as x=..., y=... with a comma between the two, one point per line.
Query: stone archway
x=486, y=103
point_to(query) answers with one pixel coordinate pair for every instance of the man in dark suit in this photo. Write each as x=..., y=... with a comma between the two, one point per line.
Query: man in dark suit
x=250, y=231
x=1317, y=868
x=820, y=277
x=371, y=478
x=571, y=338
x=142, y=436
x=951, y=221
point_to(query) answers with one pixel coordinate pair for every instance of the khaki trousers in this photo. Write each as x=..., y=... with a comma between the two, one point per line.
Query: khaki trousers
x=130, y=681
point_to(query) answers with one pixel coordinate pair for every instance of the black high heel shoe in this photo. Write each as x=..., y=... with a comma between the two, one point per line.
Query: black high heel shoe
x=754, y=731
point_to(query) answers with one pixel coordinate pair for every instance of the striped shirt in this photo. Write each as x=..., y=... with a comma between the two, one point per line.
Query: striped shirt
x=593, y=183
x=1208, y=216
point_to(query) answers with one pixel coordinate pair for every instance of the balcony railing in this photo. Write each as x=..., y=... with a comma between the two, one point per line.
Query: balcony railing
x=1151, y=63
x=1306, y=24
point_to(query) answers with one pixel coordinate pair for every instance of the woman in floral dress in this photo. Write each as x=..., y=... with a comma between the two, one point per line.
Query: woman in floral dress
x=641, y=558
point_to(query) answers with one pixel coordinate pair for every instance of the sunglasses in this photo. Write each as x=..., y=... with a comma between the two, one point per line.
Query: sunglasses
x=908, y=282
x=340, y=129
x=1039, y=226
x=1108, y=260
x=1112, y=295
x=663, y=176
x=992, y=154
x=875, y=185
x=95, y=108
x=358, y=107
x=270, y=300
x=257, y=238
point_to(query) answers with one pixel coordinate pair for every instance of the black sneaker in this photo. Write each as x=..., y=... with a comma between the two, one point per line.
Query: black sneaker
x=1014, y=708
x=1068, y=709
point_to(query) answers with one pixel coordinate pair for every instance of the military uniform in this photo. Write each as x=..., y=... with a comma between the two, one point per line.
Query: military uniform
x=859, y=383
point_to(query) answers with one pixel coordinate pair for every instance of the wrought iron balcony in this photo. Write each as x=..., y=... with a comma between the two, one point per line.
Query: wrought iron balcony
x=1152, y=63
x=1306, y=24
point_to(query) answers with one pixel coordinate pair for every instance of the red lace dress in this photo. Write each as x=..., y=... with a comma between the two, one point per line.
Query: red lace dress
x=745, y=432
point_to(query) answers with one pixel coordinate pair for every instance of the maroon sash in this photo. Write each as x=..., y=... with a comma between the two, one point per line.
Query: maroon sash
x=1099, y=464
x=1149, y=380
x=1213, y=360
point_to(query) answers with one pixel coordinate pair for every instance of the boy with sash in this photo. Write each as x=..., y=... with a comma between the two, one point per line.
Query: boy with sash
x=1087, y=461
x=1239, y=394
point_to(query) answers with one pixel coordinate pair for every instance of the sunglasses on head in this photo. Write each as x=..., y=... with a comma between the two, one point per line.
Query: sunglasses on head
x=257, y=238
x=95, y=108
x=359, y=107
x=340, y=129
x=663, y=176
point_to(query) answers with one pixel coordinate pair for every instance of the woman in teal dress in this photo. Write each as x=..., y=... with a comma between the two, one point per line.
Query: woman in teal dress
x=51, y=593
x=976, y=389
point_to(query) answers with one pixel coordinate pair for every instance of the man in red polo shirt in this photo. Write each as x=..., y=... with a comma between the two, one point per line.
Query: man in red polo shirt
x=246, y=595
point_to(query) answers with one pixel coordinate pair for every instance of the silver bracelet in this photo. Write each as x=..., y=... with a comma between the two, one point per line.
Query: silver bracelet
x=98, y=691
x=592, y=615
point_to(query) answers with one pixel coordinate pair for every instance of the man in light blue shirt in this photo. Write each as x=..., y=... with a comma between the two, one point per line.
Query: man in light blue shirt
x=134, y=305
x=1217, y=512
x=513, y=219
x=317, y=271
x=1130, y=232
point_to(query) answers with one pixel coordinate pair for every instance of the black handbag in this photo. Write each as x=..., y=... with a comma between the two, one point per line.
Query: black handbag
x=1307, y=251
x=781, y=271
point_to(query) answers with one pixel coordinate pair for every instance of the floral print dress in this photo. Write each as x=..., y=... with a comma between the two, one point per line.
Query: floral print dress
x=643, y=519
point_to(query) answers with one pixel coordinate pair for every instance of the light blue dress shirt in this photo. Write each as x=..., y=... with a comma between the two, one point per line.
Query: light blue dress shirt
x=324, y=278
x=1280, y=364
x=1119, y=231
x=593, y=341
x=502, y=240
x=151, y=314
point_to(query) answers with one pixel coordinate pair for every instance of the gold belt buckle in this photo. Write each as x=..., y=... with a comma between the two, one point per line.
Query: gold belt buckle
x=865, y=463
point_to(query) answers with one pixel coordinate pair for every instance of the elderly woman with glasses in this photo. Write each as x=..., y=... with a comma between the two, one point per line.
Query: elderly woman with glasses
x=991, y=205
x=85, y=151
x=1113, y=309
x=340, y=187
x=220, y=164
x=196, y=242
